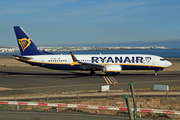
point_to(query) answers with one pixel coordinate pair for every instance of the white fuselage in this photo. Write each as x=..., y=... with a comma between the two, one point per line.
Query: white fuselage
x=126, y=61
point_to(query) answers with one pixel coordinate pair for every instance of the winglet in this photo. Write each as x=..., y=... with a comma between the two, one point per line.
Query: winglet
x=73, y=57
x=75, y=61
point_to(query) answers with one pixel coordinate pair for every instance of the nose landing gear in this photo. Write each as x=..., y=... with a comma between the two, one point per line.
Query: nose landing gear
x=155, y=72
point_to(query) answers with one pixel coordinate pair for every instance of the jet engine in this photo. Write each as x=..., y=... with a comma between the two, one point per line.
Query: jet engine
x=112, y=69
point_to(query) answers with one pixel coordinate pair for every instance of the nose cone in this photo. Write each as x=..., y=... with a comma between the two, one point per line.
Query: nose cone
x=168, y=64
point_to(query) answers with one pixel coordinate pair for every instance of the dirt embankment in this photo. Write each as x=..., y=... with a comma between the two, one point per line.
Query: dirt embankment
x=12, y=63
x=147, y=103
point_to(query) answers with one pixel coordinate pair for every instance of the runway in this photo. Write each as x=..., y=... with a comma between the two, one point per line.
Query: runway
x=17, y=80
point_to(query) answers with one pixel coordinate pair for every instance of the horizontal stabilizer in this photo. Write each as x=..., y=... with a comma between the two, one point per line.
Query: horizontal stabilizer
x=21, y=57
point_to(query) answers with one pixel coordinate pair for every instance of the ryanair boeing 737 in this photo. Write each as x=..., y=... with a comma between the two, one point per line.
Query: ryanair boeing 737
x=108, y=63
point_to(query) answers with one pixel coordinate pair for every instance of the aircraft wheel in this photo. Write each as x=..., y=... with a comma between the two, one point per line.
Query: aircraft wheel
x=155, y=72
x=92, y=73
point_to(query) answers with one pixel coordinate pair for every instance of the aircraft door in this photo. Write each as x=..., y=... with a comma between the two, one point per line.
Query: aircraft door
x=43, y=61
x=70, y=60
x=154, y=61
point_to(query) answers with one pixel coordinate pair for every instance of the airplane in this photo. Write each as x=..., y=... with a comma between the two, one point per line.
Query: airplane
x=107, y=63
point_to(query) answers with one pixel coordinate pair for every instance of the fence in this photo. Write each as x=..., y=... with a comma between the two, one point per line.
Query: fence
x=78, y=107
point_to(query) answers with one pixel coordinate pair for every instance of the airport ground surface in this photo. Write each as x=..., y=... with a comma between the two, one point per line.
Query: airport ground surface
x=27, y=115
x=17, y=78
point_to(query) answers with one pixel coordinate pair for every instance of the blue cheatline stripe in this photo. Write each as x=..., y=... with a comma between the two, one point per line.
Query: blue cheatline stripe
x=68, y=66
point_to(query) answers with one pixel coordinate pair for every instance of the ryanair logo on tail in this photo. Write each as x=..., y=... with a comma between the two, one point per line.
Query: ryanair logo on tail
x=24, y=43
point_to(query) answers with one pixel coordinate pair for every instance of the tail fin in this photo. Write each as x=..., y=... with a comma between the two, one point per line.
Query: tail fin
x=26, y=45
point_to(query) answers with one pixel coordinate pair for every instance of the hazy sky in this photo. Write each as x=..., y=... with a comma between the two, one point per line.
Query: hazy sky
x=66, y=22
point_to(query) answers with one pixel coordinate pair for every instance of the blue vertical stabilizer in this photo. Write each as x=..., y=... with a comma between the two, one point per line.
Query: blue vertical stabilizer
x=26, y=45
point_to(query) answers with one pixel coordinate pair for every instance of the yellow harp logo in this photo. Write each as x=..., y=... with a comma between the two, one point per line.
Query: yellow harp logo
x=24, y=42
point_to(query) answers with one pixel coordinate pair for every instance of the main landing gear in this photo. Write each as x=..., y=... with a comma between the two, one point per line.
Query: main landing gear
x=92, y=73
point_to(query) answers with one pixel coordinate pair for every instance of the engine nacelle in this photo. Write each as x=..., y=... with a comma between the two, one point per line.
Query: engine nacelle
x=112, y=69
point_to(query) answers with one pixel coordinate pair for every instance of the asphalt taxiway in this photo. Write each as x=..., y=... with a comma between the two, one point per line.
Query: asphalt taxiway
x=17, y=80
x=28, y=115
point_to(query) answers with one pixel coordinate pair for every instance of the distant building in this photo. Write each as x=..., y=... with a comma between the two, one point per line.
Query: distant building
x=154, y=46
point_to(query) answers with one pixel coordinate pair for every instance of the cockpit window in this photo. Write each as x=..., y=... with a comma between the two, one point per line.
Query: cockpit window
x=162, y=59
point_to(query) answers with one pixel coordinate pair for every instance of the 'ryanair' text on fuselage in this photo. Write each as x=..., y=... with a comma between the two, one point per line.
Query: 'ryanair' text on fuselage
x=117, y=59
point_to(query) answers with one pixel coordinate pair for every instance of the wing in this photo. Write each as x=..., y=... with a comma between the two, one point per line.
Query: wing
x=86, y=65
x=91, y=66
